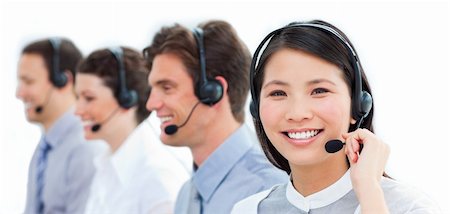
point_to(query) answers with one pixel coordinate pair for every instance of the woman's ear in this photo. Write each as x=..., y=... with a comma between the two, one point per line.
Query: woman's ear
x=69, y=76
x=352, y=121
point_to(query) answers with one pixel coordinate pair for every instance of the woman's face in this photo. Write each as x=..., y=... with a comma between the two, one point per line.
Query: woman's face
x=95, y=104
x=304, y=103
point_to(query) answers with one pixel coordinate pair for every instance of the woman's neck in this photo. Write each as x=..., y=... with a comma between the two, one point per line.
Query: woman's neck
x=120, y=133
x=309, y=179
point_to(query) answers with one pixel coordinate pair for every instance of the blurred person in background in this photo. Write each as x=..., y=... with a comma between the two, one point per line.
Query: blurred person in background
x=137, y=174
x=61, y=169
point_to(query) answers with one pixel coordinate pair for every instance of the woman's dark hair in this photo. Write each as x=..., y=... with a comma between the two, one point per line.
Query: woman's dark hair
x=320, y=43
x=103, y=64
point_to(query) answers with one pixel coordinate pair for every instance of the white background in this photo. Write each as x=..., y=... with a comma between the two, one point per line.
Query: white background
x=403, y=46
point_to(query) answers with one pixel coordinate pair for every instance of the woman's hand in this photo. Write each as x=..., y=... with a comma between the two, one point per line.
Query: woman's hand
x=366, y=168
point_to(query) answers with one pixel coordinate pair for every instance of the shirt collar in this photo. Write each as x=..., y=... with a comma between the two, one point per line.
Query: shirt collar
x=128, y=157
x=322, y=198
x=212, y=172
x=58, y=131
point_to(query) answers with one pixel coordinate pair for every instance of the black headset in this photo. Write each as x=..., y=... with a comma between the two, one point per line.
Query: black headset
x=361, y=100
x=57, y=76
x=127, y=98
x=208, y=91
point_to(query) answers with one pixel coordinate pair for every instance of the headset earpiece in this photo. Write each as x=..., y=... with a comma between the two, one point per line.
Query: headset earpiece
x=57, y=76
x=59, y=79
x=253, y=110
x=208, y=91
x=126, y=98
x=366, y=104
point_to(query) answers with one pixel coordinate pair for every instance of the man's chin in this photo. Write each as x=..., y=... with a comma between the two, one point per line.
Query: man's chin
x=169, y=141
x=32, y=119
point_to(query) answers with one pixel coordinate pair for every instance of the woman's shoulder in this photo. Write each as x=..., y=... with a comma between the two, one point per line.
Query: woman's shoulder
x=250, y=204
x=407, y=198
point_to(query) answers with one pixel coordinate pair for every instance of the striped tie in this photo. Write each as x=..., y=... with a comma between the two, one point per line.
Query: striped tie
x=44, y=147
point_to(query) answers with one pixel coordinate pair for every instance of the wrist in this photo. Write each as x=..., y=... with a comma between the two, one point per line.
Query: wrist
x=364, y=183
x=371, y=198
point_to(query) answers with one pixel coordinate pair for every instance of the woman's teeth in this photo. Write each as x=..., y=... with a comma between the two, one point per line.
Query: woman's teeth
x=302, y=135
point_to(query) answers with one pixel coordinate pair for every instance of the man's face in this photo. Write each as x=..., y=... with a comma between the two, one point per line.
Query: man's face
x=34, y=87
x=173, y=97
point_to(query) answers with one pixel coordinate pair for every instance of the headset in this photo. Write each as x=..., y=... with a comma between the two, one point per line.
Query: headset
x=127, y=98
x=57, y=76
x=361, y=100
x=208, y=91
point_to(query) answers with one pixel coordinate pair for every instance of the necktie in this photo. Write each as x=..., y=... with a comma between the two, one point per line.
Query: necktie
x=44, y=147
x=195, y=201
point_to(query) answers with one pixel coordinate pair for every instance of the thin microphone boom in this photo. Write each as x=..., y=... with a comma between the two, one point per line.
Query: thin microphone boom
x=98, y=126
x=172, y=129
x=40, y=108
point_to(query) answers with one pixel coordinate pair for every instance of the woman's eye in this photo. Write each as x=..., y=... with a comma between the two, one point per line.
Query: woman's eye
x=319, y=91
x=277, y=93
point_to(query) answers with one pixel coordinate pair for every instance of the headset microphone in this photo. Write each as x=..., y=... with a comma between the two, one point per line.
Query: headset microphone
x=172, y=129
x=127, y=98
x=40, y=108
x=57, y=75
x=96, y=127
x=333, y=146
x=336, y=145
x=208, y=91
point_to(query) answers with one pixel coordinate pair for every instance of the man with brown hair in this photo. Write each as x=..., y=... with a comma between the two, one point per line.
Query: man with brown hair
x=61, y=169
x=200, y=83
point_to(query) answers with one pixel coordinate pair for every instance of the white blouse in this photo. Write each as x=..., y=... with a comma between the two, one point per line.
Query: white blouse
x=337, y=198
x=142, y=176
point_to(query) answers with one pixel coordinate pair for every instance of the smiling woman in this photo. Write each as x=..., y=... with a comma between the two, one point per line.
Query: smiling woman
x=308, y=88
x=322, y=93
x=112, y=91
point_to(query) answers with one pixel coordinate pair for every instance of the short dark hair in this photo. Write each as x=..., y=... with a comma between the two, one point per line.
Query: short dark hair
x=69, y=55
x=226, y=55
x=321, y=44
x=103, y=64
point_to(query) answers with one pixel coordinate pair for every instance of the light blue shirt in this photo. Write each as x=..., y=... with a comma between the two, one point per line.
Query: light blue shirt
x=69, y=169
x=235, y=170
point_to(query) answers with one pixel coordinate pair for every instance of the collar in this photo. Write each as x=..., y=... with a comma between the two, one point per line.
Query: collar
x=322, y=198
x=128, y=157
x=64, y=124
x=212, y=172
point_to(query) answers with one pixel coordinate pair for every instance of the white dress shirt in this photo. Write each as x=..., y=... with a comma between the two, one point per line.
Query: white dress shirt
x=142, y=176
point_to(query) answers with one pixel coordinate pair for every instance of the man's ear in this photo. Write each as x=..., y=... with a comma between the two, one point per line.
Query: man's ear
x=223, y=82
